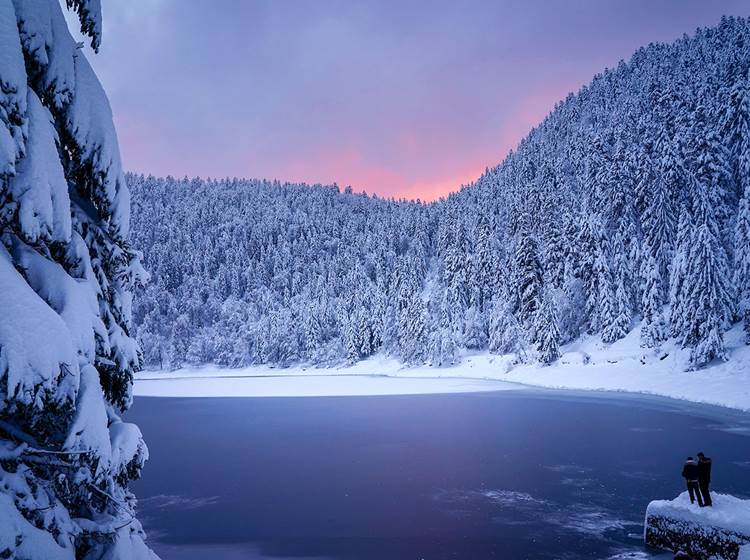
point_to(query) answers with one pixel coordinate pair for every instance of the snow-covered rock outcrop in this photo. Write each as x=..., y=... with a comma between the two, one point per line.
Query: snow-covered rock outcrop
x=721, y=531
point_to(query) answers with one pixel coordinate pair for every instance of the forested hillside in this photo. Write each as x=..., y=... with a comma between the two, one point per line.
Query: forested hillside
x=627, y=207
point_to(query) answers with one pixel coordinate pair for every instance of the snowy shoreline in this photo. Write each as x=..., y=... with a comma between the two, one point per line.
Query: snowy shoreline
x=586, y=365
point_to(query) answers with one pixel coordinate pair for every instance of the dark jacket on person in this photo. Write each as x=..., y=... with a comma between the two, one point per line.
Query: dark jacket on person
x=690, y=471
x=704, y=469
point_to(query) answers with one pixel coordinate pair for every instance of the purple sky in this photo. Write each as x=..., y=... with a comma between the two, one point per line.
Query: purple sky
x=395, y=97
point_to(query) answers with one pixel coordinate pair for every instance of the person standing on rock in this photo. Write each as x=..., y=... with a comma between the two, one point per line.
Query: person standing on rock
x=704, y=478
x=690, y=474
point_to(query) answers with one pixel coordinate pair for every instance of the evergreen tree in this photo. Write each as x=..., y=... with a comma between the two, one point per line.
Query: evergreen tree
x=486, y=266
x=413, y=332
x=313, y=331
x=658, y=226
x=352, y=341
x=605, y=313
x=528, y=277
x=443, y=347
x=67, y=271
x=506, y=334
x=548, y=332
x=706, y=305
x=705, y=332
x=678, y=274
x=653, y=330
x=742, y=261
x=365, y=336
x=474, y=334
x=735, y=125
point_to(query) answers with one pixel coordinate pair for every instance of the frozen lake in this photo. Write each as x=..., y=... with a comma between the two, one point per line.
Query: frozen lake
x=510, y=474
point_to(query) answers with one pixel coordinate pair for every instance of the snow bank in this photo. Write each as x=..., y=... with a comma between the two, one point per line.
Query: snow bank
x=727, y=512
x=587, y=364
x=720, y=531
x=312, y=385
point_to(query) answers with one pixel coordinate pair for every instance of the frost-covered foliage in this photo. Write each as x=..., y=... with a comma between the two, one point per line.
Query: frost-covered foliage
x=66, y=273
x=246, y=272
x=628, y=202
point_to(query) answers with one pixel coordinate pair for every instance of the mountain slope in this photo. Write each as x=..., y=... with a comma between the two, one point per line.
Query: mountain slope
x=628, y=202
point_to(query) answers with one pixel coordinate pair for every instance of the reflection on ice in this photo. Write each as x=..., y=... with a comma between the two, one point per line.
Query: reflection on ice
x=172, y=501
x=518, y=508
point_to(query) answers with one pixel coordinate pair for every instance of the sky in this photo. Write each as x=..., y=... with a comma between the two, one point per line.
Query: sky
x=396, y=97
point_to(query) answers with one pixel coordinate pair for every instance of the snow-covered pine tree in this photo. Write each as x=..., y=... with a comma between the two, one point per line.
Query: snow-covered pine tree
x=678, y=270
x=607, y=316
x=528, y=276
x=739, y=133
x=547, y=329
x=705, y=323
x=653, y=329
x=554, y=243
x=474, y=329
x=353, y=342
x=735, y=128
x=616, y=186
x=312, y=330
x=657, y=225
x=443, y=349
x=412, y=331
x=742, y=261
x=621, y=324
x=571, y=309
x=506, y=334
x=485, y=265
x=706, y=305
x=66, y=274
x=456, y=271
x=365, y=335
x=587, y=252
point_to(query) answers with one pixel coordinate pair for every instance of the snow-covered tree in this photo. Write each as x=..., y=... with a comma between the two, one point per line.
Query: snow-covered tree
x=706, y=306
x=443, y=349
x=507, y=336
x=705, y=324
x=67, y=271
x=412, y=331
x=604, y=300
x=653, y=329
x=742, y=261
x=657, y=224
x=548, y=332
x=528, y=276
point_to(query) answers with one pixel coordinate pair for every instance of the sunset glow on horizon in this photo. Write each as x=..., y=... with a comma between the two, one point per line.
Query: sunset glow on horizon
x=333, y=91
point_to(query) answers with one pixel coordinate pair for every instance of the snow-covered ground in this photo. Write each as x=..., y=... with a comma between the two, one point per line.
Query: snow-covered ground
x=727, y=512
x=250, y=383
x=586, y=364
